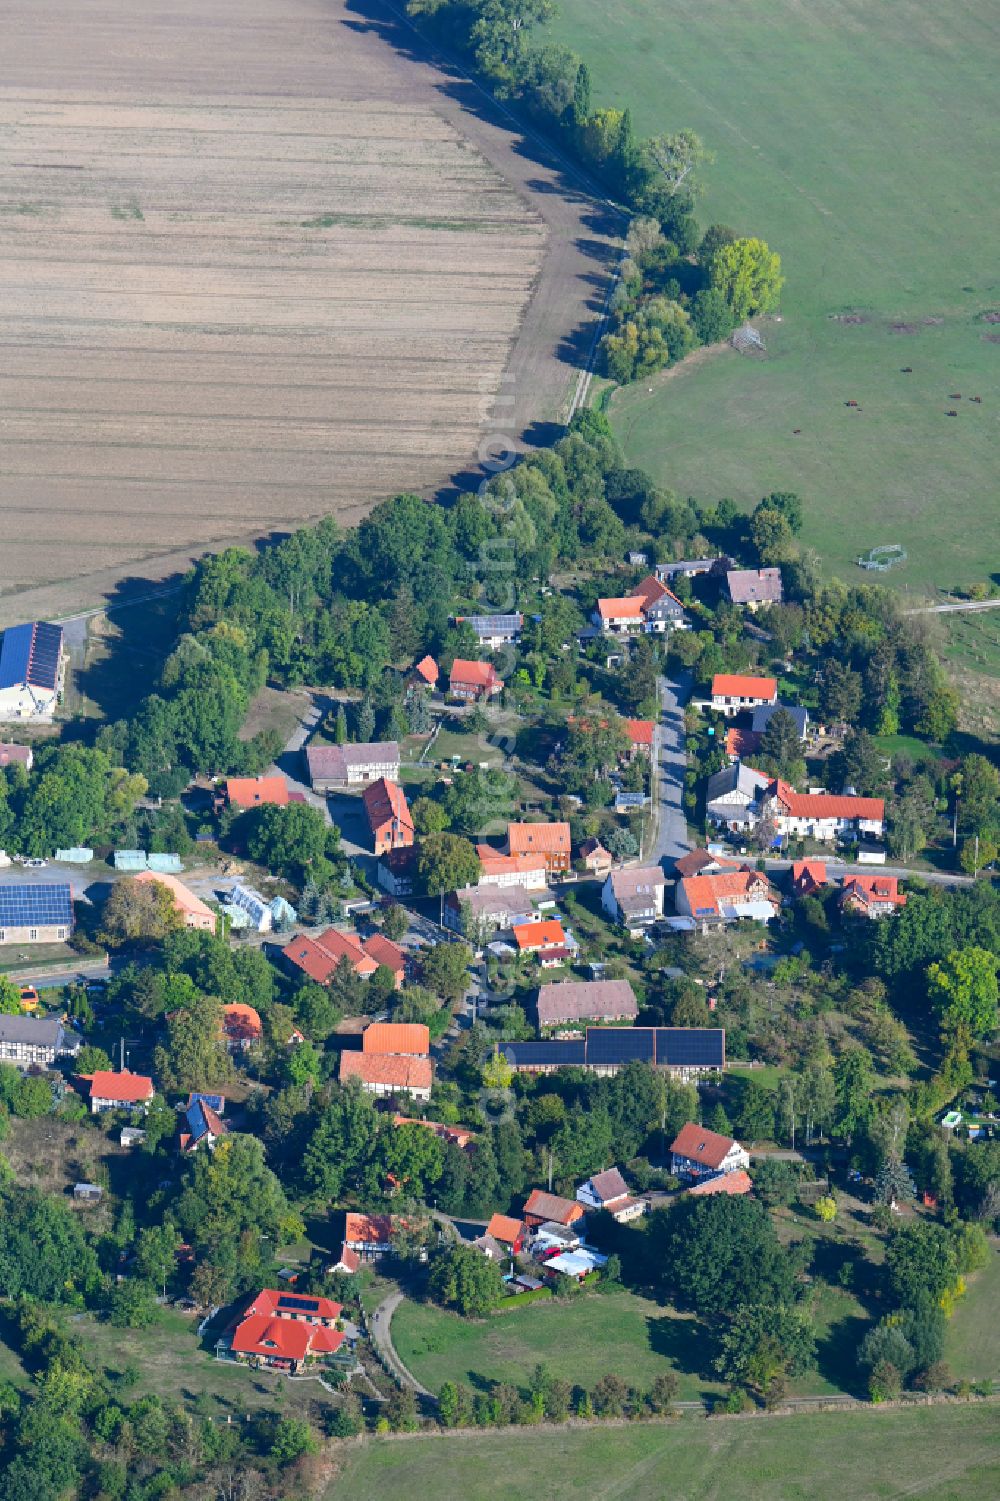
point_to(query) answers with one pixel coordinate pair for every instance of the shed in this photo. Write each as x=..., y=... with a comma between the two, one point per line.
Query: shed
x=130, y=859
x=88, y=1193
x=78, y=855
x=165, y=864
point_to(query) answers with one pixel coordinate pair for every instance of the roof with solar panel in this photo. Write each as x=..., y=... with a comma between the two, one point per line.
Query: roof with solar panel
x=42, y=905
x=30, y=654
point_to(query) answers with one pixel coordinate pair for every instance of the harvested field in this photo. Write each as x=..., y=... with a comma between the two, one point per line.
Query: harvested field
x=255, y=270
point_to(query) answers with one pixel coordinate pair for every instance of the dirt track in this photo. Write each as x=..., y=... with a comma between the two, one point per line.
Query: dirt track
x=260, y=263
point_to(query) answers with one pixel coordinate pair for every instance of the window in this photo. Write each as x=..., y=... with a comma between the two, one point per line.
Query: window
x=60, y=932
x=32, y=934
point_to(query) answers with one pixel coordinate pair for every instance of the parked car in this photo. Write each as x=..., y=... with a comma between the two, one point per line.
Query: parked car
x=29, y=998
x=35, y=863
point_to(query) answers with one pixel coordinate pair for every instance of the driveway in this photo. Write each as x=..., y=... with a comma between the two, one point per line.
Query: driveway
x=670, y=838
x=381, y=1338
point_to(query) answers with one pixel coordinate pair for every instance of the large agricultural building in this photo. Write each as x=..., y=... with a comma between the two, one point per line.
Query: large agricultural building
x=32, y=669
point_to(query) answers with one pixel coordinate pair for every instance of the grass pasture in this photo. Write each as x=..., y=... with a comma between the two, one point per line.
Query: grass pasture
x=946, y=1453
x=858, y=141
x=972, y=1346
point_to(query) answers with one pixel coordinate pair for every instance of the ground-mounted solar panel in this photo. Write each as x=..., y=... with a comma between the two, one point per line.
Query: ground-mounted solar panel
x=14, y=655
x=691, y=1047
x=611, y=1045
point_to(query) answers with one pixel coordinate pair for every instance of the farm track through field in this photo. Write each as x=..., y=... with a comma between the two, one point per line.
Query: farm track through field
x=261, y=261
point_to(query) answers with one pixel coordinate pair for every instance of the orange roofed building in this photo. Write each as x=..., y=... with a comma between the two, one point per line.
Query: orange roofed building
x=254, y=792
x=872, y=896
x=552, y=840
x=384, y=1074
x=397, y=1037
x=808, y=877
x=388, y=816
x=118, y=1091
x=190, y=908
x=319, y=957
x=733, y=691
x=284, y=1330
x=497, y=869
x=426, y=673
x=472, y=681
x=241, y=1026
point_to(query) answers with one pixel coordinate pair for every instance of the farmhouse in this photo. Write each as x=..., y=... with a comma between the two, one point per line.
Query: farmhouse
x=872, y=896
x=30, y=1042
x=334, y=766
x=542, y=1206
x=318, y=957
x=388, y=1074
x=698, y=1153
x=32, y=670
x=821, y=815
x=685, y=1052
x=388, y=816
x=608, y=1192
x=190, y=908
x=256, y=792
x=574, y=1001
x=529, y=870
x=286, y=1330
x=471, y=682
x=552, y=840
x=493, y=631
x=754, y=587
x=633, y=896
x=40, y=913
x=733, y=691
x=727, y=897
x=119, y=1091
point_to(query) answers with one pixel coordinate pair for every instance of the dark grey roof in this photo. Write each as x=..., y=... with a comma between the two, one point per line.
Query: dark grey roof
x=670, y=1047
x=691, y=1047
x=38, y=1032
x=24, y=904
x=762, y=716
x=530, y=1054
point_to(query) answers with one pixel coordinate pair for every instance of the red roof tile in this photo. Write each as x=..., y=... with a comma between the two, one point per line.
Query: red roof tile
x=640, y=731
x=367, y=1229
x=726, y=1183
x=736, y=685
x=251, y=792
x=392, y=1071
x=539, y=935
x=701, y=1145
x=385, y=801
x=397, y=1037
x=468, y=674
x=132, y=1088
x=532, y=838
x=383, y=951
x=505, y=1229
x=628, y=608
x=428, y=669
x=546, y=1206
x=826, y=804
x=241, y=1022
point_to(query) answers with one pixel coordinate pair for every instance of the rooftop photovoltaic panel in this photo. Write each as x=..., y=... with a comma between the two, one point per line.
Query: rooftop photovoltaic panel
x=14, y=655
x=561, y=1054
x=35, y=906
x=619, y=1044
x=46, y=646
x=691, y=1047
x=298, y=1305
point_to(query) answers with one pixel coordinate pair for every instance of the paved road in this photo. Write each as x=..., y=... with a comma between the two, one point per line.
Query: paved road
x=382, y=1339
x=840, y=868
x=670, y=839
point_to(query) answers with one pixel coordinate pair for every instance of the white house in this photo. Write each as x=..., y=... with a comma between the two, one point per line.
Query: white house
x=699, y=1153
x=822, y=815
x=494, y=631
x=334, y=766
x=731, y=796
x=650, y=609
x=734, y=691
x=34, y=1042
x=633, y=896
x=608, y=1191
x=727, y=897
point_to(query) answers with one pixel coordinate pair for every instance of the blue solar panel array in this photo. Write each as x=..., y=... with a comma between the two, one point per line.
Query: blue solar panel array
x=611, y=1047
x=691, y=1047
x=36, y=906
x=30, y=654
x=534, y=1054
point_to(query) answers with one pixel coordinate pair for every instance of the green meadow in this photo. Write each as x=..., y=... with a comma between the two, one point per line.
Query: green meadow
x=859, y=141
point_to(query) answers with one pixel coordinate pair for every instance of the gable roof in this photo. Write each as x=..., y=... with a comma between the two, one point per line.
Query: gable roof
x=184, y=899
x=826, y=804
x=473, y=674
x=532, y=838
x=754, y=585
x=22, y=754
x=764, y=713
x=739, y=685
x=30, y=654
x=609, y=1185
x=397, y=1037
x=697, y=861
x=368, y=1229
x=34, y=1031
x=874, y=889
x=334, y=760
x=629, y=607
x=241, y=1022
x=809, y=873
x=740, y=742
x=701, y=1145
x=640, y=731
x=107, y=1085
x=735, y=778
x=252, y=792
x=705, y=893
x=384, y=951
x=428, y=669
x=495, y=863
x=385, y=801
x=45, y=904
x=539, y=935
x=635, y=887
x=585, y=1000
x=391, y=1070
x=548, y=1206
x=201, y=1121
x=505, y=1229
x=319, y=957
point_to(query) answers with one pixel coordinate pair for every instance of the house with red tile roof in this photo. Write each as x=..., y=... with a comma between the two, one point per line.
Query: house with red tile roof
x=698, y=1153
x=539, y=937
x=385, y=1074
x=118, y=1091
x=872, y=896
x=595, y=858
x=285, y=1330
x=639, y=733
x=369, y=1236
x=388, y=954
x=318, y=957
x=508, y=1232
x=808, y=877
x=650, y=609
x=426, y=673
x=388, y=816
x=549, y=839
x=733, y=691
x=256, y=792
x=397, y=1037
x=470, y=682
x=542, y=1207
x=726, y=897
x=741, y=743
x=241, y=1026
x=821, y=815
x=497, y=869
x=736, y=1183
x=191, y=910
x=608, y=1192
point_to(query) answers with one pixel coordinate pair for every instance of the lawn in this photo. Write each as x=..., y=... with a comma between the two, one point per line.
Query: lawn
x=972, y=1346
x=939, y=1453
x=857, y=140
x=580, y=1340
